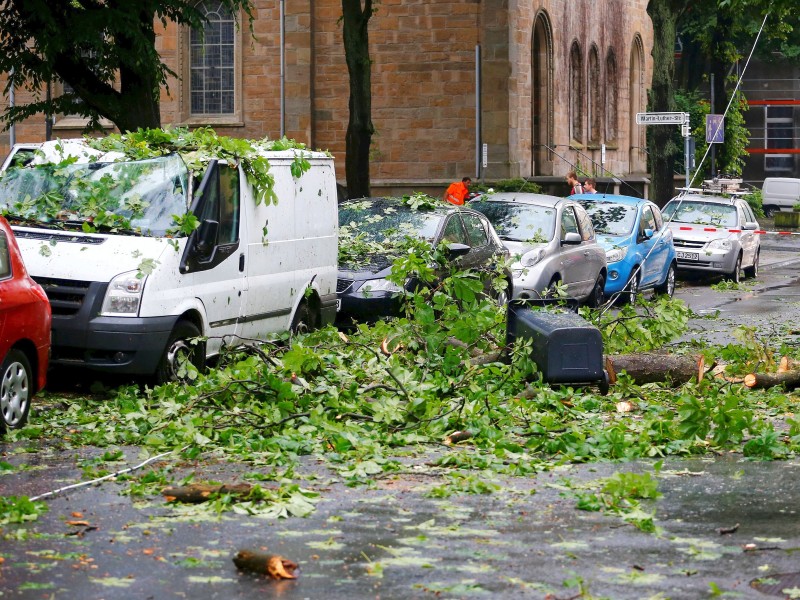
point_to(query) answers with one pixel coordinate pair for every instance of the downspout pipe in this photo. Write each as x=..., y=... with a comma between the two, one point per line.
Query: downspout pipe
x=283, y=67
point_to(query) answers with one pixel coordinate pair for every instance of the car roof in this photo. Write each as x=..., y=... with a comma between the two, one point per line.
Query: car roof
x=440, y=207
x=615, y=198
x=705, y=198
x=521, y=197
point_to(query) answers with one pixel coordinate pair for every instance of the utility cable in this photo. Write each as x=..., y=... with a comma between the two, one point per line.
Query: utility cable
x=104, y=477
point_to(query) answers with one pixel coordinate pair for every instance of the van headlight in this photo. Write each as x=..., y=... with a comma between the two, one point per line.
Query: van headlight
x=615, y=254
x=124, y=295
x=719, y=245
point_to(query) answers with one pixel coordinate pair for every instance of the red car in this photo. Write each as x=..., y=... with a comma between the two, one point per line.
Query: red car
x=24, y=334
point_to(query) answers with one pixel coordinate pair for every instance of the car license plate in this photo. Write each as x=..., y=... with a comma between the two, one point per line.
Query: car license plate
x=338, y=305
x=688, y=255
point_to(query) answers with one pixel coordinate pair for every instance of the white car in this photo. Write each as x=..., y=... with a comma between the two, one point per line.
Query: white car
x=714, y=234
x=551, y=241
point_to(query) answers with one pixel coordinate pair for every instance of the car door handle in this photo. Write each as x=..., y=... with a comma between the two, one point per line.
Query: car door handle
x=241, y=263
x=586, y=253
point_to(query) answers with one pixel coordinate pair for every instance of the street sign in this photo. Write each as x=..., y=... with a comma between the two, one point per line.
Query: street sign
x=715, y=129
x=662, y=118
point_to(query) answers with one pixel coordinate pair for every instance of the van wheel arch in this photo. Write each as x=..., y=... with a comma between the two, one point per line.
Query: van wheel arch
x=307, y=315
x=179, y=345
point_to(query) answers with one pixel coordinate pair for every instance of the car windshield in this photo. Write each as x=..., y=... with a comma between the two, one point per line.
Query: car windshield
x=609, y=218
x=700, y=213
x=138, y=197
x=518, y=222
x=379, y=221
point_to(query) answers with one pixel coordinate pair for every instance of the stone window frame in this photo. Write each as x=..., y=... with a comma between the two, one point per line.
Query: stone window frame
x=636, y=76
x=576, y=95
x=593, y=97
x=234, y=119
x=611, y=124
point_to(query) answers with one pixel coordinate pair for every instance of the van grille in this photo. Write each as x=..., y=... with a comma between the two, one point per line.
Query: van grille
x=66, y=296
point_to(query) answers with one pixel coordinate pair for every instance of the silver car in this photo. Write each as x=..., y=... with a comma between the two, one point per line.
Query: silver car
x=551, y=241
x=714, y=234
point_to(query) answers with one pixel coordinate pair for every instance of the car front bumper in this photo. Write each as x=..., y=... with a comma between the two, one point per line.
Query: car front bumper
x=700, y=259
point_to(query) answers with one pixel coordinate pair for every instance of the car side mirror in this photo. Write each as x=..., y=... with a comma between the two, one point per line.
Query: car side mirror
x=206, y=238
x=648, y=233
x=456, y=250
x=571, y=239
x=750, y=226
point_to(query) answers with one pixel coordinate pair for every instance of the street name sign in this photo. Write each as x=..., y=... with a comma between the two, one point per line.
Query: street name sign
x=662, y=118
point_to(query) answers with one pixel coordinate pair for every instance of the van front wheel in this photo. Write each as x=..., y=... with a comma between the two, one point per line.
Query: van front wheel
x=304, y=319
x=181, y=347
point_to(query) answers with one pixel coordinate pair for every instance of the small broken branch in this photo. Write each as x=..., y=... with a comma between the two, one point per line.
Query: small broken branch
x=196, y=493
x=276, y=567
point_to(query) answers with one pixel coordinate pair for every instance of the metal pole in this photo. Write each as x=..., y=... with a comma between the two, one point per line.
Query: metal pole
x=713, y=148
x=283, y=67
x=478, y=111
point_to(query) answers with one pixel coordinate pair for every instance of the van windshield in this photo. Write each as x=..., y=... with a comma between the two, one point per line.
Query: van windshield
x=134, y=197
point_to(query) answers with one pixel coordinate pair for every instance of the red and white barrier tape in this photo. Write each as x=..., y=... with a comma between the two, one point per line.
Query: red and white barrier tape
x=761, y=231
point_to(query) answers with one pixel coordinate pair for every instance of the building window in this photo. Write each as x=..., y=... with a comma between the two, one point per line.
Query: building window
x=211, y=70
x=779, y=134
x=576, y=94
x=212, y=62
x=611, y=97
x=595, y=112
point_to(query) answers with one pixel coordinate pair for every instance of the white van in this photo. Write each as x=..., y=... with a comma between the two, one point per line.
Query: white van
x=780, y=193
x=130, y=293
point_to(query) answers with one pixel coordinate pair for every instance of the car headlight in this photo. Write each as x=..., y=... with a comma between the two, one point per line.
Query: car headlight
x=720, y=245
x=379, y=285
x=123, y=296
x=531, y=258
x=616, y=254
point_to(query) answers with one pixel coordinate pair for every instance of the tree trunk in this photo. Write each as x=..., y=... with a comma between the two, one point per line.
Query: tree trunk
x=661, y=146
x=652, y=367
x=359, y=126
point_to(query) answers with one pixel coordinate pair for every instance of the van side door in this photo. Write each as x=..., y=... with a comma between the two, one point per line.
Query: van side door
x=214, y=259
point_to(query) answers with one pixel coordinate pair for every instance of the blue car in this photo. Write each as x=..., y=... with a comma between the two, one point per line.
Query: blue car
x=637, y=241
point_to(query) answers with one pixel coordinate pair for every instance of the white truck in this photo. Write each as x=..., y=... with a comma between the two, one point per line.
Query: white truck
x=147, y=261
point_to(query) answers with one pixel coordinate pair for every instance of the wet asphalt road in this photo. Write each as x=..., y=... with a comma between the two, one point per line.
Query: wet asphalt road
x=526, y=540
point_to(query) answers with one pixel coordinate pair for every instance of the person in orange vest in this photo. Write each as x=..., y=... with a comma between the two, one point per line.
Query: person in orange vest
x=457, y=191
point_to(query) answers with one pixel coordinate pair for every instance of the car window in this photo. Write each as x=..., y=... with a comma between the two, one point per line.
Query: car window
x=5, y=259
x=453, y=232
x=569, y=224
x=476, y=231
x=519, y=222
x=748, y=212
x=587, y=230
x=697, y=212
x=648, y=221
x=657, y=215
x=610, y=218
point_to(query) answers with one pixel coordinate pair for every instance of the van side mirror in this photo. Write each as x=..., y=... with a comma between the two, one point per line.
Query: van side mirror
x=206, y=238
x=571, y=239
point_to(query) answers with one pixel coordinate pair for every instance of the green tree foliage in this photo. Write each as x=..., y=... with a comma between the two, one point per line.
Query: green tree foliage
x=105, y=51
x=715, y=35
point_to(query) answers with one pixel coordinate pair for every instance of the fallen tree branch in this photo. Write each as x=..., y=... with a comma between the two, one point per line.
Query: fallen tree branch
x=195, y=493
x=790, y=380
